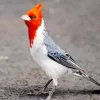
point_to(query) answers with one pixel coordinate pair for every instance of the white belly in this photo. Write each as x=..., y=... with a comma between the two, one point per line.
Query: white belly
x=52, y=68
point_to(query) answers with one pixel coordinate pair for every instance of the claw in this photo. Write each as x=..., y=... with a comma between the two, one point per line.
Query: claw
x=42, y=91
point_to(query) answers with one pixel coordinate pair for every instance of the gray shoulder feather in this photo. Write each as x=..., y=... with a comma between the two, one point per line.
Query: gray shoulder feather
x=57, y=54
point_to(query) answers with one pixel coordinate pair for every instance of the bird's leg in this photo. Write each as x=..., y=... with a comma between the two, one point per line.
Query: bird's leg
x=51, y=93
x=45, y=86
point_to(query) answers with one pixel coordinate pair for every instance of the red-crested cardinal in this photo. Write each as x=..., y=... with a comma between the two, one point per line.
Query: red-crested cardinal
x=49, y=56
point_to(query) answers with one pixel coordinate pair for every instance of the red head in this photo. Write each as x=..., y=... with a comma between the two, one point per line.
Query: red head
x=33, y=19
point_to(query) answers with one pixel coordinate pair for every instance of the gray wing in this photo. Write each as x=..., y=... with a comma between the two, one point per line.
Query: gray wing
x=57, y=54
x=65, y=60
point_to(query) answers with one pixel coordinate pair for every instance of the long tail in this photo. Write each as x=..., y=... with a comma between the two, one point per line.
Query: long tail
x=81, y=73
x=93, y=81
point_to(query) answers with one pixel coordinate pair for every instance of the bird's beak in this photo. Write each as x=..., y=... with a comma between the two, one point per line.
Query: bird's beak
x=26, y=17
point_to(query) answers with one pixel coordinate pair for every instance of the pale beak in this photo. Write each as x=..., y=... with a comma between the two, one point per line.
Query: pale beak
x=26, y=17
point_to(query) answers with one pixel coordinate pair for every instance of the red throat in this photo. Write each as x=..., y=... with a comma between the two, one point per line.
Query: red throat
x=32, y=30
x=32, y=35
x=36, y=18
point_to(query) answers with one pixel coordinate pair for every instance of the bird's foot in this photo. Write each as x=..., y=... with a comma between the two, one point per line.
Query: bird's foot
x=41, y=91
x=38, y=91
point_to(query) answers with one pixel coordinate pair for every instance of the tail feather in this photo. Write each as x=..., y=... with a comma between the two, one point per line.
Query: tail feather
x=81, y=73
x=93, y=81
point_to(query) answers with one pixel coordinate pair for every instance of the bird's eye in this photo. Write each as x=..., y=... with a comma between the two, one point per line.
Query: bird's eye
x=33, y=17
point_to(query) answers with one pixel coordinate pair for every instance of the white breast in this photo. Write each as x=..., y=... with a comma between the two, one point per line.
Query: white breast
x=39, y=54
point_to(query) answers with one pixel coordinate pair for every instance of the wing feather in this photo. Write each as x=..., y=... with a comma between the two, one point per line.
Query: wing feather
x=65, y=60
x=55, y=53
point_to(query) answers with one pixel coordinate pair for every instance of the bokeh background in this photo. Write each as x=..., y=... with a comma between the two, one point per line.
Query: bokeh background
x=73, y=24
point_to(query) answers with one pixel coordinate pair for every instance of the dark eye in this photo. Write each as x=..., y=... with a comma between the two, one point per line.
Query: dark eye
x=33, y=17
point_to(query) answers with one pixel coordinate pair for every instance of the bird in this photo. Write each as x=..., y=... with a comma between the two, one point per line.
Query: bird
x=53, y=60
